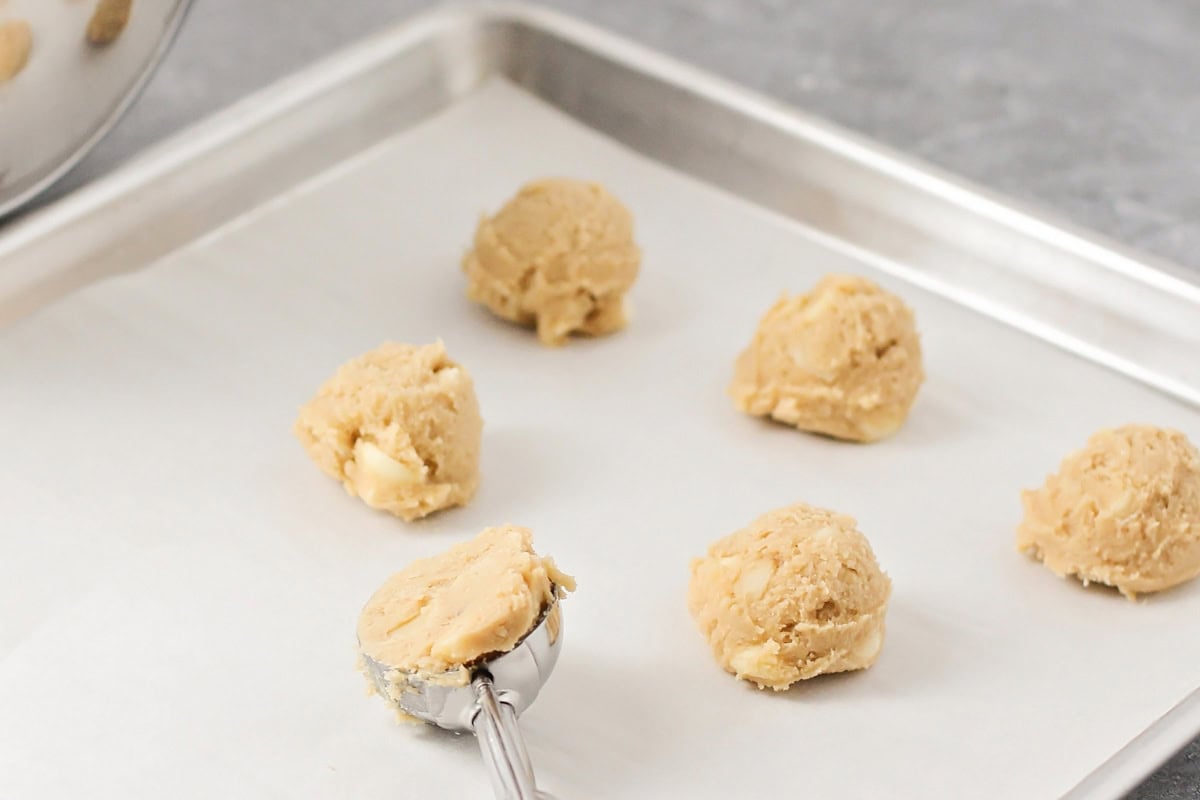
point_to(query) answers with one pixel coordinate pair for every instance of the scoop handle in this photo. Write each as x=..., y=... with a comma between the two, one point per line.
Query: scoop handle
x=502, y=746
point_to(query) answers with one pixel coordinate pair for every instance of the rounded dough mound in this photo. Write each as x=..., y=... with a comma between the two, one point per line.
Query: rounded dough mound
x=399, y=426
x=796, y=594
x=16, y=42
x=438, y=615
x=843, y=360
x=559, y=256
x=1123, y=511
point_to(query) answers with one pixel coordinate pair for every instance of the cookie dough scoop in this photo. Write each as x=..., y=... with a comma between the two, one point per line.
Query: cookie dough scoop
x=491, y=627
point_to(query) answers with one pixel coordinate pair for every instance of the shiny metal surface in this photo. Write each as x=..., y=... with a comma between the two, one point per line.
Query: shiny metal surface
x=517, y=676
x=500, y=689
x=502, y=747
x=1015, y=264
x=86, y=63
x=1091, y=296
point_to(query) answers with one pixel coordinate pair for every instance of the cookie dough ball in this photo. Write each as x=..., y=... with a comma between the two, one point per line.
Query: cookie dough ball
x=559, y=256
x=843, y=360
x=16, y=42
x=400, y=428
x=438, y=616
x=108, y=20
x=796, y=594
x=1123, y=511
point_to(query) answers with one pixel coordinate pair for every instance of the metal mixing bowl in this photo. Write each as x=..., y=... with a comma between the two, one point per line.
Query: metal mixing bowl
x=82, y=67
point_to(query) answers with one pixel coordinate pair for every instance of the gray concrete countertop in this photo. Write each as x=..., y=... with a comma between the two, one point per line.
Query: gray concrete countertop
x=1088, y=106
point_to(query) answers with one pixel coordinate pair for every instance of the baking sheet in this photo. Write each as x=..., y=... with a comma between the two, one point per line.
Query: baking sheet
x=182, y=584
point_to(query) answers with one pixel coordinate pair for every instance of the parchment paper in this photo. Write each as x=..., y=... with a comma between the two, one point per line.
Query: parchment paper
x=179, y=584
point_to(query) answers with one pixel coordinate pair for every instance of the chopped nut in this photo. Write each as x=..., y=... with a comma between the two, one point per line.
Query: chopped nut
x=378, y=466
x=753, y=662
x=754, y=578
x=868, y=649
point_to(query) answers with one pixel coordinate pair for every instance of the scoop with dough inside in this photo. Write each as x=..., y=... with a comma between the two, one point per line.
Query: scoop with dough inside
x=435, y=618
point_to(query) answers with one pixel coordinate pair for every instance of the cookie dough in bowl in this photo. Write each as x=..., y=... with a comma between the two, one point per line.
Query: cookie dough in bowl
x=399, y=426
x=795, y=594
x=843, y=360
x=16, y=43
x=1123, y=511
x=435, y=618
x=559, y=256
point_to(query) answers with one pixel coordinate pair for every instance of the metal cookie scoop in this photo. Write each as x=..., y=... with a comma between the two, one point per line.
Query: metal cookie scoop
x=500, y=688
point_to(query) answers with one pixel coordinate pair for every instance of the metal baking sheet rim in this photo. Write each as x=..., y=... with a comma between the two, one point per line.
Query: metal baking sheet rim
x=34, y=249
